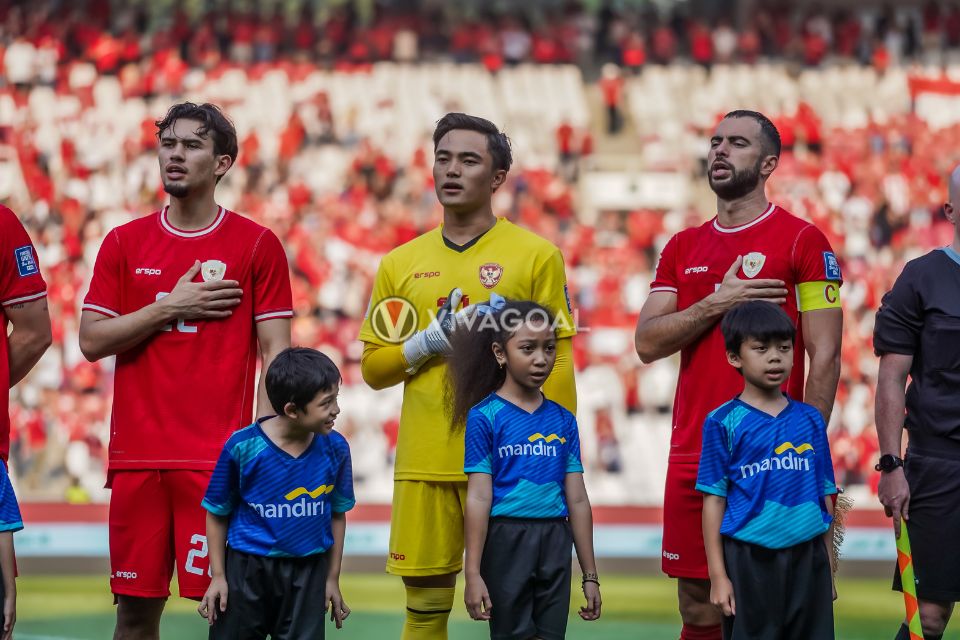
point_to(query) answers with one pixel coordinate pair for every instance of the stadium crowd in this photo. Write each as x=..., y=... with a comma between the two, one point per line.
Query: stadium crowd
x=77, y=157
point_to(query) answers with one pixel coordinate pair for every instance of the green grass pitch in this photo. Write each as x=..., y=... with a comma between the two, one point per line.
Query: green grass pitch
x=80, y=608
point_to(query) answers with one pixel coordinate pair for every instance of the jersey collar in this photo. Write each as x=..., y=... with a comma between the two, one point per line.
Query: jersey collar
x=953, y=255
x=210, y=228
x=763, y=216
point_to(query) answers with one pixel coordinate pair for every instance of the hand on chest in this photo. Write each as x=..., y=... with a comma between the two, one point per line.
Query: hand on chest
x=703, y=270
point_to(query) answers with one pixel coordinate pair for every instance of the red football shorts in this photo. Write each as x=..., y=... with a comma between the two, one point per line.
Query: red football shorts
x=156, y=522
x=683, y=552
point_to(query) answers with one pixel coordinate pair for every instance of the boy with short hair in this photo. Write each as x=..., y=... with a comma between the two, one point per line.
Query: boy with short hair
x=276, y=509
x=766, y=475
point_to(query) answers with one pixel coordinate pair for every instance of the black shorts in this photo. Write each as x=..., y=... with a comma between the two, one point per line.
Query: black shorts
x=279, y=597
x=779, y=594
x=526, y=567
x=934, y=526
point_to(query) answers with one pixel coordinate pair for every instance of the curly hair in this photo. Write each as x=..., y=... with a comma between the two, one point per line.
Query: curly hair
x=472, y=369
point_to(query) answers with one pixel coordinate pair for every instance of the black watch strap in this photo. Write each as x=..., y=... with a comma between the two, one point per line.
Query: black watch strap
x=888, y=462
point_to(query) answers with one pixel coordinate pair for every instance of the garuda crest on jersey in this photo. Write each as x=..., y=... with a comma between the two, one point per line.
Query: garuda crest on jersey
x=752, y=263
x=212, y=270
x=490, y=274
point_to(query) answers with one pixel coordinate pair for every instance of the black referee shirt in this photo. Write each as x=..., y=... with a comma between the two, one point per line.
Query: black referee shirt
x=920, y=317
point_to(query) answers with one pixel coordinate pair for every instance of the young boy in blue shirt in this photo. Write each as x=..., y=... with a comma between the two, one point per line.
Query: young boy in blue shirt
x=10, y=522
x=276, y=509
x=767, y=477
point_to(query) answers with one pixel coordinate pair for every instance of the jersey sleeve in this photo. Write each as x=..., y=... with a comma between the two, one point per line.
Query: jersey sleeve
x=574, y=465
x=223, y=492
x=665, y=278
x=899, y=320
x=382, y=289
x=20, y=279
x=478, y=444
x=343, y=498
x=823, y=459
x=272, y=296
x=104, y=294
x=714, y=459
x=816, y=271
x=814, y=259
x=10, y=519
x=550, y=290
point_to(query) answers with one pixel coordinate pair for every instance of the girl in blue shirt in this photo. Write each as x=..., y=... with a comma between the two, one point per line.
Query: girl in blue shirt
x=526, y=501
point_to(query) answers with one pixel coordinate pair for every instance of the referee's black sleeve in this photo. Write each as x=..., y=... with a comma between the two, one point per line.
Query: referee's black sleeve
x=900, y=316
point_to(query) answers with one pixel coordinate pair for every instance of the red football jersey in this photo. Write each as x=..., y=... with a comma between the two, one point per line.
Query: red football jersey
x=20, y=281
x=776, y=244
x=179, y=394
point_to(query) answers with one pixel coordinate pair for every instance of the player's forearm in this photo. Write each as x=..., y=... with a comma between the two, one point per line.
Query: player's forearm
x=273, y=336
x=713, y=508
x=8, y=563
x=660, y=336
x=101, y=337
x=889, y=411
x=26, y=345
x=476, y=521
x=821, y=388
x=217, y=543
x=382, y=367
x=581, y=524
x=560, y=386
x=339, y=527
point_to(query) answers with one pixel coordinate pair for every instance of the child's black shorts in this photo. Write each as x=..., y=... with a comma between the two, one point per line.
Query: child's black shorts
x=526, y=567
x=779, y=594
x=279, y=597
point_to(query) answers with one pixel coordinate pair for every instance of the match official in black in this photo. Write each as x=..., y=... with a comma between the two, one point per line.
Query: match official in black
x=918, y=333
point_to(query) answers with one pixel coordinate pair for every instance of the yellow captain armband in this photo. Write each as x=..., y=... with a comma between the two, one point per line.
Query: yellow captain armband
x=821, y=294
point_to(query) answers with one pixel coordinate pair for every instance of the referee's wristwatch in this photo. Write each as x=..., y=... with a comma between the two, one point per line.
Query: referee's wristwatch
x=888, y=462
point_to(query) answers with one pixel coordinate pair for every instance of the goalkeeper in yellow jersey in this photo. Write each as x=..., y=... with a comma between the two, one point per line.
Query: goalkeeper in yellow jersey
x=422, y=288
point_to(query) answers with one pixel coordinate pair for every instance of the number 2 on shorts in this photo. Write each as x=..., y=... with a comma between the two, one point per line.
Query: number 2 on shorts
x=188, y=566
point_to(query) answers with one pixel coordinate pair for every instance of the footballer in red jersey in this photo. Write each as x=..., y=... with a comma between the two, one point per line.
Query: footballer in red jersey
x=23, y=303
x=183, y=297
x=751, y=250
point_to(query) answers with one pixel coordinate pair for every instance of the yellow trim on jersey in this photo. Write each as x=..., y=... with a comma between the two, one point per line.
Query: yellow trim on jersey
x=820, y=294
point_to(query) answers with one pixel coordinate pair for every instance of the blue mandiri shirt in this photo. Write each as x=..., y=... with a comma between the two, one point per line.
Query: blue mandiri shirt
x=528, y=455
x=773, y=471
x=10, y=519
x=280, y=506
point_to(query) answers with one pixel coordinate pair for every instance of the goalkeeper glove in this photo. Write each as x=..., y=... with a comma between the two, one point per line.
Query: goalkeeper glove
x=433, y=340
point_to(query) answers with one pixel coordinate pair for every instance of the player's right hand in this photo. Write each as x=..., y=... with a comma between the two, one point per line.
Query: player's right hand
x=477, y=599
x=435, y=339
x=214, y=600
x=734, y=290
x=721, y=595
x=894, y=494
x=201, y=300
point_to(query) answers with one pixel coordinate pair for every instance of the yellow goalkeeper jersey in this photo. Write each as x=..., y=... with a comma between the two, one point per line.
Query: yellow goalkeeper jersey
x=412, y=283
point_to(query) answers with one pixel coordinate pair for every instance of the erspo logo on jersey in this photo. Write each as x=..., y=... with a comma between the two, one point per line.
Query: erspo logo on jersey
x=791, y=462
x=394, y=319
